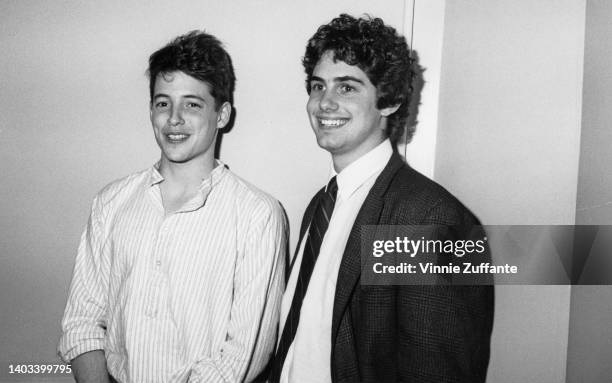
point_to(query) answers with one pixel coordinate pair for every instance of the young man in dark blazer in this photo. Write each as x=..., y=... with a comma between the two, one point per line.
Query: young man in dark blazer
x=334, y=328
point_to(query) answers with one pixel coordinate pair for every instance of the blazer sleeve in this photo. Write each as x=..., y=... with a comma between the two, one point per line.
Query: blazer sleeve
x=444, y=331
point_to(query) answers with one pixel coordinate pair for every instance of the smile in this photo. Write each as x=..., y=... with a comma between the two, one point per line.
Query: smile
x=176, y=137
x=332, y=123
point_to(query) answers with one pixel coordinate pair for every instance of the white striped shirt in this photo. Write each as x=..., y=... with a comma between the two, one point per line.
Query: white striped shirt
x=192, y=295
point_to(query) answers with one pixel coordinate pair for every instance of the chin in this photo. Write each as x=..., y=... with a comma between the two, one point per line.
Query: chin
x=325, y=142
x=330, y=146
x=176, y=157
x=179, y=160
x=176, y=160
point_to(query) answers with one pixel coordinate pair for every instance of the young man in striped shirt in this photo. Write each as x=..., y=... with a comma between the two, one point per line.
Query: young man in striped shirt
x=179, y=273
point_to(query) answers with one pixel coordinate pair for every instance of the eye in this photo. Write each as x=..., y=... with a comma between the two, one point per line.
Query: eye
x=194, y=105
x=161, y=105
x=316, y=87
x=345, y=88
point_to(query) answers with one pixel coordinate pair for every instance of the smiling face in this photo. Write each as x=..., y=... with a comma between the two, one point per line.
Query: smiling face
x=185, y=118
x=342, y=111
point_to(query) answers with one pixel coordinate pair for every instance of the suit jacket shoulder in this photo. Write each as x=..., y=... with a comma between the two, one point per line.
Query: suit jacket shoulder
x=412, y=198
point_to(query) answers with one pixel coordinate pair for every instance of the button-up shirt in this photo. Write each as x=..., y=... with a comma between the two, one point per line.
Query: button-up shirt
x=193, y=295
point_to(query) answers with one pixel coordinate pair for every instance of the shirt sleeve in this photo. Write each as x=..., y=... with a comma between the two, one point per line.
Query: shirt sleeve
x=258, y=288
x=84, y=324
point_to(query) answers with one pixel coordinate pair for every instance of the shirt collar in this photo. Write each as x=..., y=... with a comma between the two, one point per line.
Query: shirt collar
x=155, y=176
x=358, y=172
x=205, y=188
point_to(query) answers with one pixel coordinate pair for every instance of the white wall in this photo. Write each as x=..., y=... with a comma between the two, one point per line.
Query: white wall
x=510, y=108
x=590, y=336
x=508, y=146
x=75, y=116
x=594, y=204
x=424, y=25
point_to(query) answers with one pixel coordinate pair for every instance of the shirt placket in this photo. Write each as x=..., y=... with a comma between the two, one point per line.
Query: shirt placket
x=158, y=259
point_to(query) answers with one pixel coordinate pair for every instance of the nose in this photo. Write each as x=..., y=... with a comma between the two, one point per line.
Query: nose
x=328, y=101
x=175, y=117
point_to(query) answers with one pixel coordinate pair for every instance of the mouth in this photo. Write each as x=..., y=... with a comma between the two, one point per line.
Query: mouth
x=331, y=123
x=176, y=138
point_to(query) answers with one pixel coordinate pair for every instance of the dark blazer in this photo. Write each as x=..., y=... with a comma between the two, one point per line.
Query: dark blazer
x=407, y=333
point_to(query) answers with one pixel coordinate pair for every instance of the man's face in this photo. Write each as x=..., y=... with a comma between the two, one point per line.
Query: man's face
x=342, y=110
x=184, y=118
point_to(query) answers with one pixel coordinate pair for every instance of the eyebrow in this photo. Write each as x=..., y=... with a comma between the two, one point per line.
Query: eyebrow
x=339, y=79
x=159, y=95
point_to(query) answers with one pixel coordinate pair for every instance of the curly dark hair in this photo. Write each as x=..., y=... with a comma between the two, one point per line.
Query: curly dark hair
x=379, y=52
x=201, y=56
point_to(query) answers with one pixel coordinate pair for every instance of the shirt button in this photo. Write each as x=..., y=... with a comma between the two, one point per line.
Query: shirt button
x=158, y=263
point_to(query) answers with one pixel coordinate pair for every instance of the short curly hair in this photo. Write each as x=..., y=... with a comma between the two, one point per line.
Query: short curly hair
x=201, y=56
x=379, y=52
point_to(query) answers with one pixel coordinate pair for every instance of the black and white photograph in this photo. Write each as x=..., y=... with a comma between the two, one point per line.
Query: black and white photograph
x=306, y=191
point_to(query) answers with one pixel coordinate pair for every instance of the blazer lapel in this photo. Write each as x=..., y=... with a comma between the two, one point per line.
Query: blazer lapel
x=350, y=266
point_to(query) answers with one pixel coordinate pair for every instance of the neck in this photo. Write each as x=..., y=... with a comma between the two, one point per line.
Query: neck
x=343, y=160
x=187, y=174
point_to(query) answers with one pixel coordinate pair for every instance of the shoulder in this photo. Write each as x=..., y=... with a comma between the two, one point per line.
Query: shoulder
x=122, y=188
x=425, y=200
x=251, y=200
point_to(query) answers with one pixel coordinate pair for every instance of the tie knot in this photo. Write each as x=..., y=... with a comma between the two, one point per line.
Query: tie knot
x=332, y=187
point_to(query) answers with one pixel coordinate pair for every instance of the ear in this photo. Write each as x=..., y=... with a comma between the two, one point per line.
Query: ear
x=223, y=117
x=386, y=112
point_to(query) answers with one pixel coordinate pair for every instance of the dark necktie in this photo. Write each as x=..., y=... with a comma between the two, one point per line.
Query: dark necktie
x=316, y=233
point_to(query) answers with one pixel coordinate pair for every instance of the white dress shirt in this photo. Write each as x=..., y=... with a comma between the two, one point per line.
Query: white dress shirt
x=193, y=295
x=308, y=358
